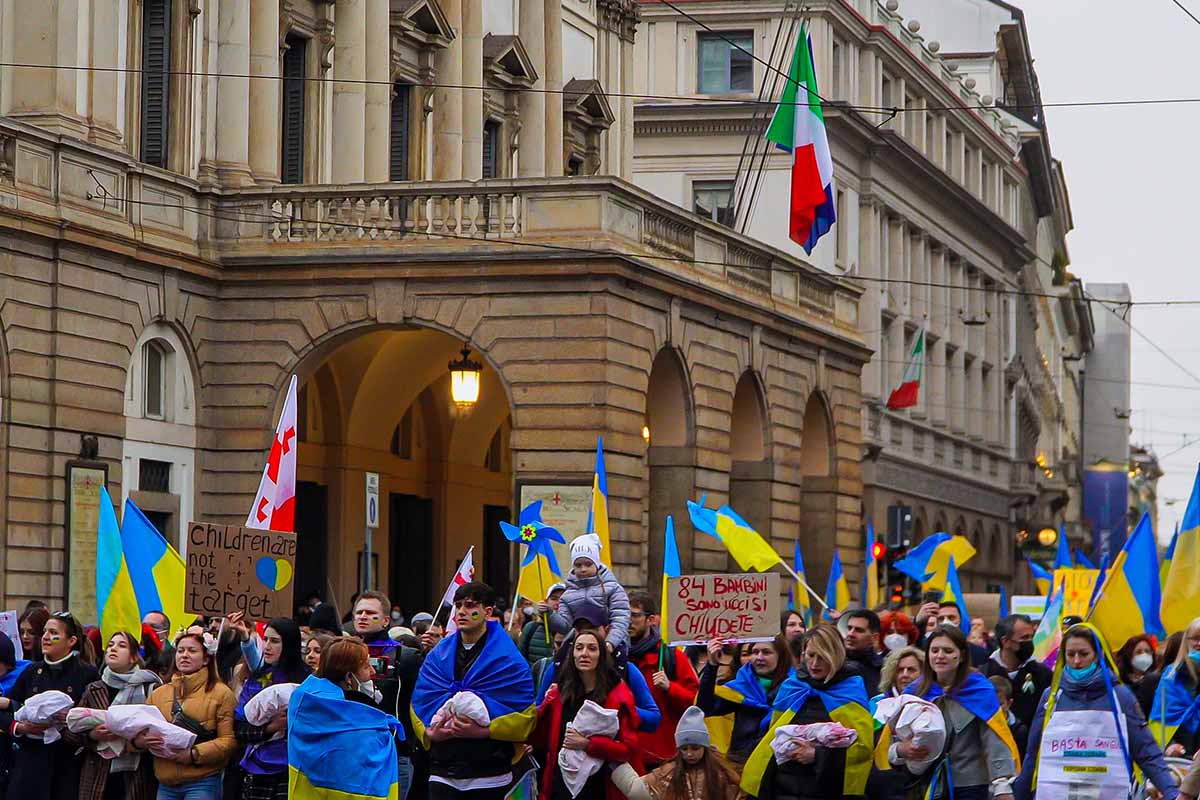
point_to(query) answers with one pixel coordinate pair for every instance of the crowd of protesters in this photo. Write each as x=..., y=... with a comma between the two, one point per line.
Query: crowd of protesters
x=583, y=691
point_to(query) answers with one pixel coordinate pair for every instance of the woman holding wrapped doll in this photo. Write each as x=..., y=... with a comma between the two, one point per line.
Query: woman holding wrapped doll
x=112, y=770
x=820, y=739
x=588, y=674
x=48, y=770
x=197, y=701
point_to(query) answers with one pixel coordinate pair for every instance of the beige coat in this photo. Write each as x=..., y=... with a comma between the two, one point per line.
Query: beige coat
x=213, y=708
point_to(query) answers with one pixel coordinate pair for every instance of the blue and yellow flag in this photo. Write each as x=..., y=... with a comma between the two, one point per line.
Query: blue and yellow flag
x=743, y=690
x=747, y=547
x=326, y=733
x=870, y=589
x=1174, y=708
x=1083, y=561
x=1181, y=592
x=801, y=602
x=1062, y=556
x=1168, y=557
x=837, y=591
x=157, y=572
x=929, y=561
x=116, y=602
x=1128, y=602
x=597, y=522
x=976, y=695
x=953, y=593
x=1042, y=578
x=1003, y=602
x=846, y=703
x=671, y=567
x=499, y=675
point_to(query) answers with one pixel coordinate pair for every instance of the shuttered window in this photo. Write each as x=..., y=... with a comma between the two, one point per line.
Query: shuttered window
x=156, y=80
x=491, y=149
x=398, y=134
x=291, y=161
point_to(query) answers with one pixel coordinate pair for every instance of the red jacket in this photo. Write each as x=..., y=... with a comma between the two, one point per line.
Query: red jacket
x=622, y=749
x=660, y=744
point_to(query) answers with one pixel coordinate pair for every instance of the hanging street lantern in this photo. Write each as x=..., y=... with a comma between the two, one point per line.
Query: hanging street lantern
x=464, y=381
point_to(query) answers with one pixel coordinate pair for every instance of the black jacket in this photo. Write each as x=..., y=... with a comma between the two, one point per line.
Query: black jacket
x=47, y=771
x=825, y=776
x=747, y=722
x=870, y=664
x=1031, y=680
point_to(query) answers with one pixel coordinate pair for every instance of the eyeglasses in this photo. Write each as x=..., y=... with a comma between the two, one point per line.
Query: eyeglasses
x=636, y=614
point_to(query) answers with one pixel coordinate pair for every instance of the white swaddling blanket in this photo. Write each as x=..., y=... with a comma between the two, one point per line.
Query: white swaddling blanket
x=916, y=720
x=128, y=721
x=268, y=703
x=467, y=705
x=39, y=710
x=576, y=765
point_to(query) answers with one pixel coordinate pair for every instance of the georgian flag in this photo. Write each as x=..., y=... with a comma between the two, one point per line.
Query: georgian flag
x=465, y=574
x=275, y=504
x=909, y=390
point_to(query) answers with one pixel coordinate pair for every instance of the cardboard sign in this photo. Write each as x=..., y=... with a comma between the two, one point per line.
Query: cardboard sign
x=230, y=568
x=1077, y=586
x=1032, y=605
x=736, y=608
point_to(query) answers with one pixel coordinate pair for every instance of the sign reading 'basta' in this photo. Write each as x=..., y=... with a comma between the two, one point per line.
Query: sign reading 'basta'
x=736, y=608
x=230, y=568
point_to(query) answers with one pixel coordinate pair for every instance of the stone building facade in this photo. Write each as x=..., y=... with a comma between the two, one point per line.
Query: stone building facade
x=177, y=240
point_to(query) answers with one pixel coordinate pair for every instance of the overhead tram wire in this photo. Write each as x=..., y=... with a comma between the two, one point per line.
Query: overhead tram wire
x=1174, y=362
x=1184, y=9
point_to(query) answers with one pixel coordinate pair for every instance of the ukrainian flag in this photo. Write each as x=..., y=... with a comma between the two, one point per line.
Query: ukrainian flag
x=837, y=591
x=116, y=602
x=1128, y=603
x=671, y=567
x=1042, y=578
x=598, y=514
x=747, y=547
x=953, y=593
x=1168, y=557
x=339, y=749
x=156, y=571
x=846, y=703
x=870, y=590
x=929, y=561
x=743, y=690
x=1062, y=556
x=800, y=602
x=1174, y=708
x=1181, y=592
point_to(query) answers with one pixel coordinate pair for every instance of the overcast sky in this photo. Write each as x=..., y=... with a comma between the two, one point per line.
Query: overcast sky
x=1132, y=173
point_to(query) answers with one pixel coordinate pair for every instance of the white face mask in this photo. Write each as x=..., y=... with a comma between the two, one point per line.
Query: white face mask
x=895, y=641
x=1142, y=662
x=368, y=688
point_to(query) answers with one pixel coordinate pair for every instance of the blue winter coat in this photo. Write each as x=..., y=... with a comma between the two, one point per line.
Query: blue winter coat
x=1092, y=695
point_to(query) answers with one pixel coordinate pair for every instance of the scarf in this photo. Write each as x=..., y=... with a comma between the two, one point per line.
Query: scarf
x=639, y=647
x=132, y=689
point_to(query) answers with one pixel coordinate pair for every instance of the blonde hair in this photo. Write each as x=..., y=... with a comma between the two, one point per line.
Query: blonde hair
x=825, y=642
x=1181, y=659
x=887, y=675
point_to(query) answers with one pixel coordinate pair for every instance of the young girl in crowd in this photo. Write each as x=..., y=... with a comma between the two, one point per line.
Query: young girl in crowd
x=590, y=583
x=123, y=681
x=265, y=760
x=30, y=626
x=50, y=771
x=195, y=699
x=697, y=772
x=587, y=674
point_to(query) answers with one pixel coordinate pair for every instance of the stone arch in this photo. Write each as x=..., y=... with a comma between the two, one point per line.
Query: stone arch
x=960, y=526
x=818, y=485
x=816, y=438
x=940, y=525
x=750, y=470
x=670, y=457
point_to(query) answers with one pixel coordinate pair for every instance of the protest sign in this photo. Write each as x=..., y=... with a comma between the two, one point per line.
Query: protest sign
x=230, y=568
x=1078, y=586
x=8, y=627
x=736, y=608
x=983, y=606
x=1031, y=605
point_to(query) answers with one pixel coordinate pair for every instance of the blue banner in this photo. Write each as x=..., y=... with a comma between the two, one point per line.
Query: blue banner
x=1105, y=508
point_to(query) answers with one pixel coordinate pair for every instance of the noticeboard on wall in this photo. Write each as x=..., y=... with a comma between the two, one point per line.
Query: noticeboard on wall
x=84, y=481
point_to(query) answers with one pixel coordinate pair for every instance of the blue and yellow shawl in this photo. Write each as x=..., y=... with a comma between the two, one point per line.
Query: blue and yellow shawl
x=1174, y=708
x=499, y=675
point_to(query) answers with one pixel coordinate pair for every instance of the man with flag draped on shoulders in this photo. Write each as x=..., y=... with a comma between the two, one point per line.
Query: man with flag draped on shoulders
x=473, y=702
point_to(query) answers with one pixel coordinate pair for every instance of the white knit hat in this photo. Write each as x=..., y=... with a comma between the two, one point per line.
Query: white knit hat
x=586, y=546
x=691, y=729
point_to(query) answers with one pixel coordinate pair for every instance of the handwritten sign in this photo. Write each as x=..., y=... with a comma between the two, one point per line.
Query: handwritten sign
x=230, y=568
x=1078, y=586
x=736, y=608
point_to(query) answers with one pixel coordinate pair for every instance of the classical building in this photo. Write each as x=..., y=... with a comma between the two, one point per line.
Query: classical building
x=952, y=217
x=392, y=182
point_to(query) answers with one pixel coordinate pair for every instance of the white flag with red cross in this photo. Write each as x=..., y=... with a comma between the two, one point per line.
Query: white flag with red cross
x=464, y=575
x=275, y=505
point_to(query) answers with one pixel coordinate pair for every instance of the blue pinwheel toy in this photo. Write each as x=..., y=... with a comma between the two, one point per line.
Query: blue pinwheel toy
x=535, y=535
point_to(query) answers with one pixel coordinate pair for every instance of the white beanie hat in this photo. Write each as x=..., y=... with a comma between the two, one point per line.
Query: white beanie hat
x=586, y=546
x=691, y=729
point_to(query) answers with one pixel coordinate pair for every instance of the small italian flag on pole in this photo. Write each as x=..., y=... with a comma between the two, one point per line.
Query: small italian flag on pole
x=909, y=390
x=799, y=128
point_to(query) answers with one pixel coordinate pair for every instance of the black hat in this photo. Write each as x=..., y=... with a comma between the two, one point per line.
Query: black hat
x=8, y=652
x=324, y=618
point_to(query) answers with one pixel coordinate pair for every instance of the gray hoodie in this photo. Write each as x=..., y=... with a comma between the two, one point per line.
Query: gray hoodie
x=602, y=591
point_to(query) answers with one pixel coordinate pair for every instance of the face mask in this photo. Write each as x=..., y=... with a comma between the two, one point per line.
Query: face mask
x=527, y=611
x=1024, y=651
x=1142, y=662
x=397, y=616
x=895, y=641
x=1083, y=673
x=368, y=688
x=1195, y=656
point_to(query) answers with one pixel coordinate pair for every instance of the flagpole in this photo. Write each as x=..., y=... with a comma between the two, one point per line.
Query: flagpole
x=542, y=586
x=804, y=583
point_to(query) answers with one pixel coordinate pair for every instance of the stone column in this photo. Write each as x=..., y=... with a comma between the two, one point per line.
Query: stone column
x=45, y=33
x=107, y=125
x=448, y=102
x=233, y=93
x=472, y=99
x=264, y=91
x=349, y=91
x=553, y=84
x=532, y=105
x=379, y=92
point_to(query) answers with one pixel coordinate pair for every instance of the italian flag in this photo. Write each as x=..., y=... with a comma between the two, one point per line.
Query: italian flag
x=799, y=128
x=906, y=394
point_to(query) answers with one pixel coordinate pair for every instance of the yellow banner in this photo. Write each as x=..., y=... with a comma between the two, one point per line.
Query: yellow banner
x=1077, y=585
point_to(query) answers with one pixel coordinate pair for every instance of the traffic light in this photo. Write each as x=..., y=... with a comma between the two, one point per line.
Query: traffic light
x=899, y=526
x=878, y=550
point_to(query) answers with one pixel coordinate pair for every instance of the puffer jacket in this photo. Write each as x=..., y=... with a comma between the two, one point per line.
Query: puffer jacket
x=1092, y=695
x=212, y=708
x=601, y=591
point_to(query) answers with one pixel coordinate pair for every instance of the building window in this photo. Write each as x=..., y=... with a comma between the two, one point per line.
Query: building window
x=842, y=227
x=838, y=70
x=574, y=166
x=726, y=63
x=154, y=476
x=713, y=200
x=156, y=80
x=398, y=146
x=491, y=149
x=154, y=380
x=291, y=162
x=493, y=458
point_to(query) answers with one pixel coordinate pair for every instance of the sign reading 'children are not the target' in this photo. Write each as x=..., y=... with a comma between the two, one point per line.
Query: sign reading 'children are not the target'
x=735, y=608
x=231, y=568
